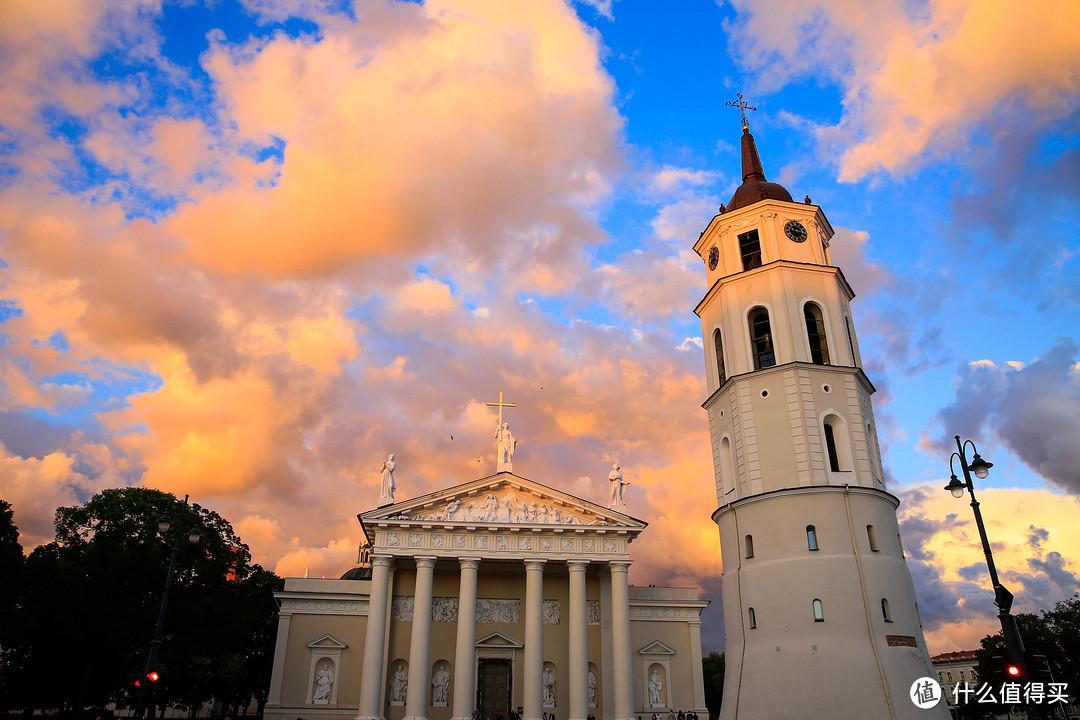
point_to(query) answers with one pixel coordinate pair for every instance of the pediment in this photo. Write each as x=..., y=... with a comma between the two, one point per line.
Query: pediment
x=327, y=641
x=656, y=648
x=503, y=499
x=498, y=640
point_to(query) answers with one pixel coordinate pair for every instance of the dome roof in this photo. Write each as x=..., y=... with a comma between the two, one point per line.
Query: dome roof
x=754, y=187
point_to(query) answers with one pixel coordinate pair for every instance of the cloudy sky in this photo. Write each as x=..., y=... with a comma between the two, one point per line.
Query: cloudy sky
x=249, y=248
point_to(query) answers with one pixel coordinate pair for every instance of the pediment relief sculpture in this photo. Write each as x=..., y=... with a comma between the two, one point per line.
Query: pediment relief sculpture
x=505, y=507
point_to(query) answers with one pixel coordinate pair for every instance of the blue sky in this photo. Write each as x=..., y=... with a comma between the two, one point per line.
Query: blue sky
x=251, y=247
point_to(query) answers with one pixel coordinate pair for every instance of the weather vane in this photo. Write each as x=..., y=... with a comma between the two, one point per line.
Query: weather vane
x=743, y=107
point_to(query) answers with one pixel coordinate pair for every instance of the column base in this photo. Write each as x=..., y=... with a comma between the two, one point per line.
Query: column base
x=370, y=717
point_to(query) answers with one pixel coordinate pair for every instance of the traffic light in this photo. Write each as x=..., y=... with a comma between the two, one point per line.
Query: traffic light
x=1039, y=667
x=151, y=677
x=1009, y=669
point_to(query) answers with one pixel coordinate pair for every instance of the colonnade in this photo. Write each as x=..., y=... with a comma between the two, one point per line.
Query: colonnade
x=374, y=665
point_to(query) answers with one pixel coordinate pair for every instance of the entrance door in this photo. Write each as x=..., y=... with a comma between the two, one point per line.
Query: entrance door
x=495, y=691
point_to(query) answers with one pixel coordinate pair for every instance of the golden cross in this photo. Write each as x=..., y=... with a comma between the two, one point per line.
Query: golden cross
x=743, y=107
x=501, y=405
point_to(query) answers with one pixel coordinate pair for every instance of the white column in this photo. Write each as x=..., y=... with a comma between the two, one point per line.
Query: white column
x=273, y=699
x=620, y=640
x=416, y=701
x=533, y=675
x=579, y=645
x=698, y=671
x=465, y=657
x=374, y=667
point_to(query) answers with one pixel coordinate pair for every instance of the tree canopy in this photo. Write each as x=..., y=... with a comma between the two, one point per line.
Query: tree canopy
x=87, y=604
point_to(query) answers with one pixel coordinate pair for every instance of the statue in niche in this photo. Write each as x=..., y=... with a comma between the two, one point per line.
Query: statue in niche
x=399, y=685
x=549, y=688
x=387, y=471
x=505, y=443
x=655, y=686
x=616, y=486
x=324, y=681
x=439, y=686
x=592, y=689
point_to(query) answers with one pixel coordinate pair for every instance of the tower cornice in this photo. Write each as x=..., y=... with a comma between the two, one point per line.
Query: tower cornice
x=859, y=373
x=791, y=264
x=803, y=490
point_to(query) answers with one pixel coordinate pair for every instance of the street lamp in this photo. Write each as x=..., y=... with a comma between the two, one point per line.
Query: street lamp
x=151, y=674
x=1002, y=597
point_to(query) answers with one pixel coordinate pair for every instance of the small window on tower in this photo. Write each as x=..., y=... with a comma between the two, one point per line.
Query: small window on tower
x=885, y=614
x=761, y=336
x=819, y=615
x=871, y=535
x=830, y=444
x=811, y=537
x=718, y=343
x=749, y=546
x=753, y=619
x=815, y=334
x=750, y=249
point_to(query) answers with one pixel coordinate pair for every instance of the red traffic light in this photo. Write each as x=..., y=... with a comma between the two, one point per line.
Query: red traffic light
x=153, y=676
x=1012, y=670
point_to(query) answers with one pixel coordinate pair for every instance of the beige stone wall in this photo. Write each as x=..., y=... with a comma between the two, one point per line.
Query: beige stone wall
x=496, y=580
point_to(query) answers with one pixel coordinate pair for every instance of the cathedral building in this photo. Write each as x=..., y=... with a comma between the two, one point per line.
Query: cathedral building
x=819, y=606
x=495, y=596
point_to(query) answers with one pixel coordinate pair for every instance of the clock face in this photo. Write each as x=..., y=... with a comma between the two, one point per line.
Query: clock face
x=714, y=257
x=795, y=230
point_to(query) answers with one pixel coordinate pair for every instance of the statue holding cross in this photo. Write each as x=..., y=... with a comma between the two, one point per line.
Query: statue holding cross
x=505, y=442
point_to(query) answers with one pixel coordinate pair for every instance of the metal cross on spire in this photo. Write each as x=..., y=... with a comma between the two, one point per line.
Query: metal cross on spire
x=743, y=107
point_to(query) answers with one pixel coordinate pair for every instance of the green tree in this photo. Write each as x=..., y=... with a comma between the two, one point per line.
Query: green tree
x=11, y=570
x=91, y=600
x=713, y=671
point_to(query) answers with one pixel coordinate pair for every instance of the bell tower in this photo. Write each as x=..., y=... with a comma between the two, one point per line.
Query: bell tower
x=819, y=605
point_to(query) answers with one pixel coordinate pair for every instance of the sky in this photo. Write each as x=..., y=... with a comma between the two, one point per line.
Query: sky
x=250, y=247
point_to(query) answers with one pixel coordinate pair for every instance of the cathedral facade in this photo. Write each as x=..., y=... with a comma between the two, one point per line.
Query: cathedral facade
x=496, y=596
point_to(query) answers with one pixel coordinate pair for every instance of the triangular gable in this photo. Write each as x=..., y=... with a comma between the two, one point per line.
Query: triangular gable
x=498, y=640
x=503, y=499
x=327, y=641
x=656, y=648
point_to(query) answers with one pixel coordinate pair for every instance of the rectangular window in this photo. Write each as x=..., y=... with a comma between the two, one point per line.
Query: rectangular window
x=750, y=249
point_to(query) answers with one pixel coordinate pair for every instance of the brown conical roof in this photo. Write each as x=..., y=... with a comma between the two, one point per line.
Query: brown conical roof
x=754, y=186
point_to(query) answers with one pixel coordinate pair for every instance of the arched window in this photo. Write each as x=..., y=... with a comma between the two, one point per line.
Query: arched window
x=753, y=619
x=850, y=341
x=718, y=343
x=727, y=464
x=872, y=537
x=885, y=614
x=815, y=333
x=819, y=615
x=749, y=546
x=836, y=444
x=761, y=337
x=750, y=250
x=811, y=537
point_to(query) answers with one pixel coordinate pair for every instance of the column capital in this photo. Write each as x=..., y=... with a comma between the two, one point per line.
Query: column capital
x=619, y=566
x=468, y=563
x=577, y=565
x=534, y=565
x=382, y=560
x=425, y=561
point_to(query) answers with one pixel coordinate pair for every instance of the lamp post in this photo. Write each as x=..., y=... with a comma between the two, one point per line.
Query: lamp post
x=1002, y=597
x=150, y=676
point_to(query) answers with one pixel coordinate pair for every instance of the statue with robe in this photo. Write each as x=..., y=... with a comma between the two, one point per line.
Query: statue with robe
x=616, y=486
x=387, y=471
x=505, y=443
